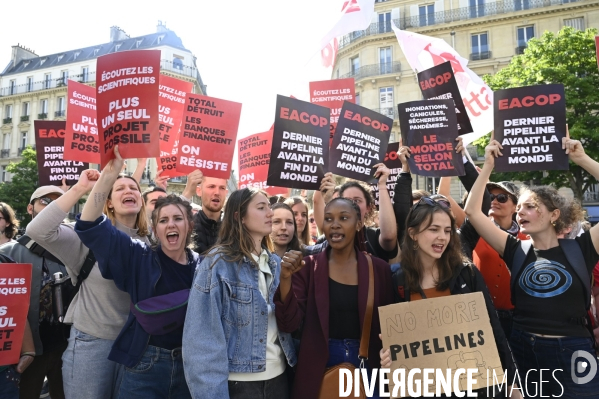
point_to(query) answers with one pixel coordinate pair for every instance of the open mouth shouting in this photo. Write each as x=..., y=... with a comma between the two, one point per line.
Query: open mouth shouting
x=438, y=248
x=337, y=237
x=172, y=237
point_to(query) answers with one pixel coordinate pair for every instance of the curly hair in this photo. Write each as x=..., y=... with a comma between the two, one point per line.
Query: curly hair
x=12, y=223
x=419, y=219
x=571, y=211
x=184, y=206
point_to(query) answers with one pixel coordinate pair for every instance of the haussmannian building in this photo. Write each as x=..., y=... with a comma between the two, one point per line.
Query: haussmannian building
x=488, y=33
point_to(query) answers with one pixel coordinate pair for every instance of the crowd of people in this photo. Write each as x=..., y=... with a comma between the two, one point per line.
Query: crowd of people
x=250, y=296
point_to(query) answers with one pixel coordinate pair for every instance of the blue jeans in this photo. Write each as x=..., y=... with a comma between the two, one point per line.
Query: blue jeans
x=346, y=350
x=158, y=375
x=8, y=386
x=86, y=371
x=535, y=353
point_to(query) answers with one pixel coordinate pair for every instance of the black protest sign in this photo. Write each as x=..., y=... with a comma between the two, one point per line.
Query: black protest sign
x=300, y=153
x=429, y=129
x=359, y=143
x=49, y=144
x=530, y=123
x=394, y=164
x=438, y=83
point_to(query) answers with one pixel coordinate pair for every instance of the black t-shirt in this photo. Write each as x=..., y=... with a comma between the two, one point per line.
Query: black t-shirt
x=548, y=293
x=175, y=277
x=374, y=247
x=344, y=316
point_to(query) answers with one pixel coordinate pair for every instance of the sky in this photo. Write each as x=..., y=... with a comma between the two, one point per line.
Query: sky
x=247, y=51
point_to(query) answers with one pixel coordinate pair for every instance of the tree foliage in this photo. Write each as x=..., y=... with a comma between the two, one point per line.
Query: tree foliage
x=17, y=192
x=569, y=58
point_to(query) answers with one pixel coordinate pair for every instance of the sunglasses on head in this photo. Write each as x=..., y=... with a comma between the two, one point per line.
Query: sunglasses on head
x=501, y=198
x=433, y=200
x=43, y=201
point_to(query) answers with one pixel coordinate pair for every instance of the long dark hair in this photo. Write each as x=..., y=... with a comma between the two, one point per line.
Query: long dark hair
x=234, y=241
x=12, y=224
x=358, y=241
x=304, y=235
x=419, y=219
x=294, y=244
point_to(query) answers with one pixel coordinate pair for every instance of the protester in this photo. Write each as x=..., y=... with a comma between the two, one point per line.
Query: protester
x=207, y=221
x=301, y=209
x=550, y=292
x=284, y=233
x=49, y=334
x=432, y=266
x=9, y=224
x=380, y=242
x=99, y=310
x=313, y=227
x=232, y=345
x=328, y=297
x=158, y=280
x=9, y=374
x=150, y=196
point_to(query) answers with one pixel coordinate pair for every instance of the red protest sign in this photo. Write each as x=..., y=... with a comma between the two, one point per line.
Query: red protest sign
x=167, y=163
x=81, y=138
x=127, y=103
x=332, y=94
x=208, y=134
x=49, y=144
x=15, y=286
x=254, y=157
x=597, y=48
x=171, y=104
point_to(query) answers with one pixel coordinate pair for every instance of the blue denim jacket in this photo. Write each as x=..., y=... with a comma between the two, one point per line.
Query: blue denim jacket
x=227, y=315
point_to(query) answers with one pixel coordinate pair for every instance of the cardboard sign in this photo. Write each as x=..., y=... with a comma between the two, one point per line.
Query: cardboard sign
x=254, y=157
x=332, y=94
x=430, y=128
x=208, y=134
x=530, y=123
x=15, y=287
x=127, y=101
x=171, y=104
x=81, y=140
x=438, y=83
x=448, y=333
x=51, y=166
x=359, y=143
x=299, y=155
x=394, y=164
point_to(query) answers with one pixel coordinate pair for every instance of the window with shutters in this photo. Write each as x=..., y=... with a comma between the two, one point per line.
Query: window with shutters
x=576, y=23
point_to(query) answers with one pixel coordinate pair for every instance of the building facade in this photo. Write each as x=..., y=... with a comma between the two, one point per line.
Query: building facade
x=488, y=33
x=35, y=87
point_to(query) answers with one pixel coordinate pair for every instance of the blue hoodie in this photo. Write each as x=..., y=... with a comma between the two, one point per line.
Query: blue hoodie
x=135, y=268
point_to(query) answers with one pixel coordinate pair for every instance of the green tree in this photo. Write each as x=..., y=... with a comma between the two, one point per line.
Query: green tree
x=17, y=192
x=567, y=57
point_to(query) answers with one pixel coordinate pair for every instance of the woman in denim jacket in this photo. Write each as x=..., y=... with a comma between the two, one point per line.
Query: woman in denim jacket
x=232, y=347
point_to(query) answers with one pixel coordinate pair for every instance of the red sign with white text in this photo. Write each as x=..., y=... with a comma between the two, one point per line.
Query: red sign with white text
x=597, y=48
x=171, y=104
x=332, y=94
x=208, y=135
x=167, y=163
x=15, y=287
x=254, y=158
x=127, y=103
x=81, y=142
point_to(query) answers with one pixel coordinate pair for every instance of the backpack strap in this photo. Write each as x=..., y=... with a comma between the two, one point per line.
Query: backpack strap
x=575, y=258
x=402, y=293
x=88, y=265
x=37, y=249
x=518, y=262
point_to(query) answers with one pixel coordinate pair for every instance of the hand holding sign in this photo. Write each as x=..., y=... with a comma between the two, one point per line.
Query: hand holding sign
x=193, y=179
x=492, y=151
x=382, y=173
x=161, y=181
x=327, y=187
x=115, y=165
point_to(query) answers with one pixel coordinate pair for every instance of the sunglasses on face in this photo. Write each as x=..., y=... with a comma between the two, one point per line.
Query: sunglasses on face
x=501, y=198
x=433, y=201
x=43, y=200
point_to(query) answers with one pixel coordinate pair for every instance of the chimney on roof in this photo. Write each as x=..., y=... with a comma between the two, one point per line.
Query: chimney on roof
x=117, y=34
x=161, y=27
x=20, y=53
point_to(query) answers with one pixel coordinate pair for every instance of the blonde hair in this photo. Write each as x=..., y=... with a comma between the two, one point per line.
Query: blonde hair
x=142, y=220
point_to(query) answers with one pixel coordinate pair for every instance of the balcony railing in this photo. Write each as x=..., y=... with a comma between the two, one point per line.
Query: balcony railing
x=457, y=14
x=58, y=114
x=24, y=118
x=590, y=196
x=43, y=115
x=20, y=150
x=483, y=55
x=4, y=153
x=520, y=49
x=6, y=121
x=373, y=70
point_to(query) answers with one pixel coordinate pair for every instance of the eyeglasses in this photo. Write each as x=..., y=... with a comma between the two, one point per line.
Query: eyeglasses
x=501, y=198
x=433, y=200
x=43, y=200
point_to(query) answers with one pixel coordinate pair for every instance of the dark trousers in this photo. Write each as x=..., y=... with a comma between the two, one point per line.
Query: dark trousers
x=275, y=388
x=49, y=364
